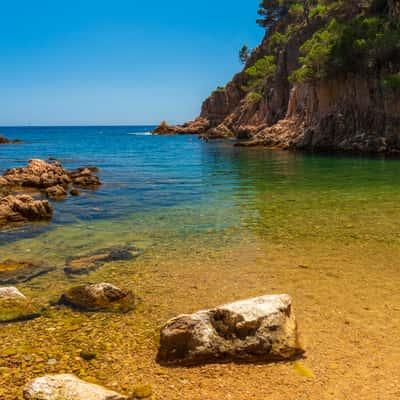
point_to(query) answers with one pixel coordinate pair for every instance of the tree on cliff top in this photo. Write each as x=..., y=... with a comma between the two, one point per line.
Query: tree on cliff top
x=272, y=11
x=244, y=54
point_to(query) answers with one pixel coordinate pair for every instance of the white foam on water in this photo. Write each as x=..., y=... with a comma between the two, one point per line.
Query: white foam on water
x=140, y=133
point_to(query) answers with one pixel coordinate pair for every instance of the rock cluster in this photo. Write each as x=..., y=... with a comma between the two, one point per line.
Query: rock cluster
x=23, y=208
x=99, y=297
x=38, y=174
x=4, y=140
x=67, y=387
x=258, y=329
x=262, y=328
x=49, y=178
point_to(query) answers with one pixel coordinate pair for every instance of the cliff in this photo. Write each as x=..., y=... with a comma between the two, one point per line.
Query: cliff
x=325, y=77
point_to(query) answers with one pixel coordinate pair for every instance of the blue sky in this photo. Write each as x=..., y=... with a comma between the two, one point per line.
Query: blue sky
x=117, y=61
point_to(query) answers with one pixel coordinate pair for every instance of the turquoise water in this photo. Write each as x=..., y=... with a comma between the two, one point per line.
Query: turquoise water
x=180, y=185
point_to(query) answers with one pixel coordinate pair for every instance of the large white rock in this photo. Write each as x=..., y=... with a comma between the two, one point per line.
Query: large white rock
x=11, y=292
x=263, y=328
x=14, y=306
x=67, y=387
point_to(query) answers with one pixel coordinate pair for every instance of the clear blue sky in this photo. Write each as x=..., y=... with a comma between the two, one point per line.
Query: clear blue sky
x=117, y=61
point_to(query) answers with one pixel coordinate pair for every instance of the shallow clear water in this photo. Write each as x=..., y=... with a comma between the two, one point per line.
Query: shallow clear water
x=214, y=223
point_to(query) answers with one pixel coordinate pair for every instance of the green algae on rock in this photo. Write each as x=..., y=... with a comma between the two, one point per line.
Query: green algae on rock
x=12, y=271
x=99, y=297
x=14, y=306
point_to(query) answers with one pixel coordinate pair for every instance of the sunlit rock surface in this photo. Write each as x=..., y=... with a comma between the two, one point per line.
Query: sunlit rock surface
x=67, y=387
x=262, y=328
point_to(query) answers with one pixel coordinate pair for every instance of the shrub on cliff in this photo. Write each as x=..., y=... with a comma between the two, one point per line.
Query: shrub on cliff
x=259, y=73
x=361, y=45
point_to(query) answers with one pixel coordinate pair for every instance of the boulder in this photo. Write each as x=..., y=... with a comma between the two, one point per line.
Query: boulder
x=14, y=306
x=56, y=192
x=22, y=208
x=38, y=174
x=259, y=329
x=83, y=177
x=12, y=271
x=99, y=297
x=86, y=264
x=67, y=387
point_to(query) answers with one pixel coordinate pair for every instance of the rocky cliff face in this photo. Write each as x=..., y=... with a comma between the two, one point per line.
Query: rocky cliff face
x=351, y=110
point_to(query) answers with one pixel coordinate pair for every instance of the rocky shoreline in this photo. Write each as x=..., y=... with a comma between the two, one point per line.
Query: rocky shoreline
x=356, y=109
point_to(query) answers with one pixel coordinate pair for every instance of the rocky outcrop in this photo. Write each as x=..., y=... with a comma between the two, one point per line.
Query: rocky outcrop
x=22, y=208
x=352, y=113
x=12, y=271
x=14, y=306
x=86, y=264
x=259, y=329
x=198, y=126
x=47, y=178
x=99, y=297
x=67, y=387
x=38, y=174
x=44, y=175
x=353, y=109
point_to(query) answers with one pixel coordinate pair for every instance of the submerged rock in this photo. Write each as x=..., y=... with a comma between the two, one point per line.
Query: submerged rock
x=56, y=192
x=86, y=264
x=259, y=329
x=22, y=208
x=99, y=297
x=74, y=192
x=12, y=271
x=67, y=387
x=14, y=306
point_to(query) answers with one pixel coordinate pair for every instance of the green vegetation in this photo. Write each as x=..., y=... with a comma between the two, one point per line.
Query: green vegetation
x=392, y=81
x=253, y=97
x=256, y=75
x=244, y=54
x=365, y=43
x=319, y=10
x=278, y=40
